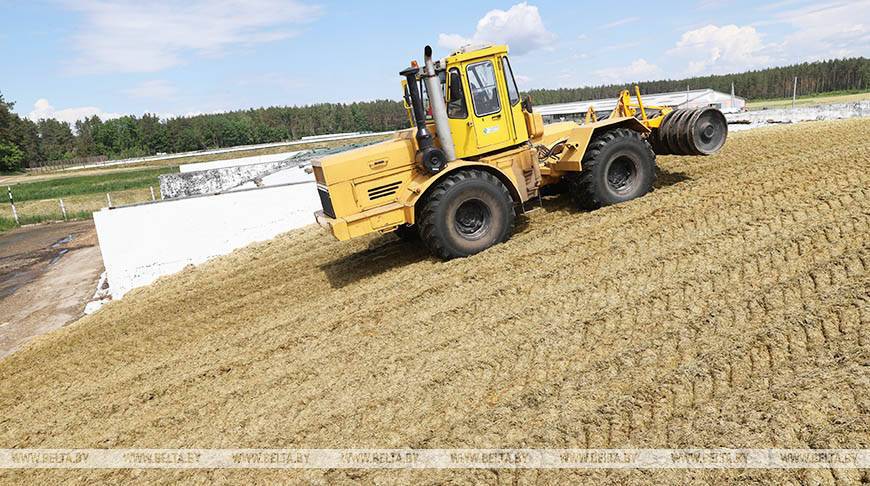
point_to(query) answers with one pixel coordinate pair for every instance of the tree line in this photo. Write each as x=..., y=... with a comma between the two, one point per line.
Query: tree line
x=813, y=78
x=25, y=143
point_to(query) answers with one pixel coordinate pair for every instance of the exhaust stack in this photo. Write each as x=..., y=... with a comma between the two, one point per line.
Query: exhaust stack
x=439, y=108
x=429, y=158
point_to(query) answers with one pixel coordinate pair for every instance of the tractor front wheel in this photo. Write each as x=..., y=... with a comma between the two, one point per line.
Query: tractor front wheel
x=466, y=213
x=618, y=166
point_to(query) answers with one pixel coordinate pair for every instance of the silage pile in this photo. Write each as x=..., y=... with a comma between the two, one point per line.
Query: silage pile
x=729, y=308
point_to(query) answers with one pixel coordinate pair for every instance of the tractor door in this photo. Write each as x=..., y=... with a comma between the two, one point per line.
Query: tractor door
x=490, y=117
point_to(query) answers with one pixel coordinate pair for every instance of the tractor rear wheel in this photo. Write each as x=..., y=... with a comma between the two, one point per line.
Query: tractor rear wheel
x=619, y=165
x=466, y=213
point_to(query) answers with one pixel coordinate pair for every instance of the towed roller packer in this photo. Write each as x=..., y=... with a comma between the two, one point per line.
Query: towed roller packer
x=697, y=131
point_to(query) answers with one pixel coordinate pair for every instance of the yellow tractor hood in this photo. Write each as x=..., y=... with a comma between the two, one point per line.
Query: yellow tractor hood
x=385, y=156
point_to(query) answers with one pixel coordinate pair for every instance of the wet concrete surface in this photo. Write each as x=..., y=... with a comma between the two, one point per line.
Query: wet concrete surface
x=47, y=275
x=25, y=252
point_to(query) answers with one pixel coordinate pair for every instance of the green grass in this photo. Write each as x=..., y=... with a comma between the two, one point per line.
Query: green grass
x=832, y=97
x=7, y=224
x=89, y=184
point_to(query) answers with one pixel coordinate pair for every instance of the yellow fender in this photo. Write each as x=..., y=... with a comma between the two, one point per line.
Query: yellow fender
x=421, y=183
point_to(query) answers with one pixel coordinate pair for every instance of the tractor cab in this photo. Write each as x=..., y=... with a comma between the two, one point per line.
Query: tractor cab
x=483, y=108
x=483, y=102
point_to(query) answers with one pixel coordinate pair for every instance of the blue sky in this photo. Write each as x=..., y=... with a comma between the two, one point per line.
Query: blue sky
x=69, y=59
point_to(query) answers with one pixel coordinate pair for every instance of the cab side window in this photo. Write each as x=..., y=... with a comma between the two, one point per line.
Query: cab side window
x=484, y=90
x=513, y=93
x=456, y=107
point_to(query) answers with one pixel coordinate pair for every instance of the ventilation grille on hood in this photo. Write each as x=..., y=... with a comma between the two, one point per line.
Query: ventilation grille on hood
x=384, y=191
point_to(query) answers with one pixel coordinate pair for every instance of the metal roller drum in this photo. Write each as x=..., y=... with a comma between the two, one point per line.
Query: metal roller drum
x=657, y=139
x=700, y=131
x=708, y=131
x=672, y=133
x=683, y=128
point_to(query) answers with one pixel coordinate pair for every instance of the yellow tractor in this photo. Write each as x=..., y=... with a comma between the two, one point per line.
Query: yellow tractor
x=477, y=153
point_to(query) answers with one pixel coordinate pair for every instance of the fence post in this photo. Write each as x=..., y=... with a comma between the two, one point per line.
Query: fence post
x=109, y=199
x=12, y=202
x=152, y=193
x=794, y=94
x=62, y=209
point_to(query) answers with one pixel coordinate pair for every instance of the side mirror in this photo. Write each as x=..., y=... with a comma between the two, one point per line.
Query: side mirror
x=527, y=104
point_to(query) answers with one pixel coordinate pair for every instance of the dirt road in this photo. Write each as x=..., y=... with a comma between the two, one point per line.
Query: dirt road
x=47, y=273
x=729, y=308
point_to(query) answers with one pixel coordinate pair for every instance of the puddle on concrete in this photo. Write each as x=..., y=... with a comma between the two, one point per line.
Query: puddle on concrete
x=63, y=241
x=62, y=252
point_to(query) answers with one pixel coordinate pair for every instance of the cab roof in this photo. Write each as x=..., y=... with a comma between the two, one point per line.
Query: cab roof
x=468, y=53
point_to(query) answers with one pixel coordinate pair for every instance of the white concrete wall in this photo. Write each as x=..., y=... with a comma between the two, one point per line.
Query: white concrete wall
x=143, y=242
x=290, y=175
x=220, y=164
x=187, y=184
x=836, y=111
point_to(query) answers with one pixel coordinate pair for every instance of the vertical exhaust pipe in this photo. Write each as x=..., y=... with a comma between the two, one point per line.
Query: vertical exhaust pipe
x=439, y=108
x=430, y=158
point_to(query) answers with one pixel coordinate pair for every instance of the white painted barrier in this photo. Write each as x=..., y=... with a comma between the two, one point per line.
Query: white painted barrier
x=290, y=175
x=836, y=111
x=220, y=164
x=142, y=242
x=212, y=181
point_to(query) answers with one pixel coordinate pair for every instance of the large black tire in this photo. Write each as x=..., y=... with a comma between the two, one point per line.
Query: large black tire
x=466, y=213
x=619, y=165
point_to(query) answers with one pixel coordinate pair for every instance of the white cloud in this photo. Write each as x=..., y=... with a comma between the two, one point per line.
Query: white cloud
x=520, y=27
x=42, y=110
x=833, y=29
x=136, y=36
x=638, y=70
x=826, y=30
x=156, y=89
x=719, y=49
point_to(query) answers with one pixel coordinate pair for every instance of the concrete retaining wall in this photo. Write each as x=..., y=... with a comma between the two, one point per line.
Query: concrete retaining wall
x=835, y=111
x=230, y=175
x=239, y=161
x=210, y=181
x=143, y=242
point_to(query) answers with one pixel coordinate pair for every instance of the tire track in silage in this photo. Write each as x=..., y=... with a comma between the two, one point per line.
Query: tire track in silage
x=646, y=337
x=346, y=293
x=655, y=407
x=419, y=304
x=374, y=298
